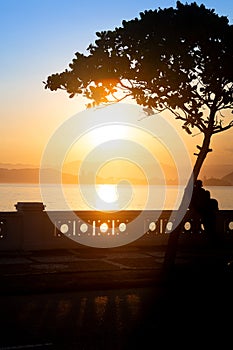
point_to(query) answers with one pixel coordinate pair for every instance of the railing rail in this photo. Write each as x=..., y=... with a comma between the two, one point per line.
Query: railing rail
x=33, y=228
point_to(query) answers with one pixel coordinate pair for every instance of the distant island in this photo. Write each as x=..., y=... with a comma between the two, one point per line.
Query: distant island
x=32, y=176
x=226, y=180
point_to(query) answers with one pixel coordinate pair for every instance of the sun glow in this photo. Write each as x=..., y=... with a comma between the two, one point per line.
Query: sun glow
x=108, y=145
x=108, y=133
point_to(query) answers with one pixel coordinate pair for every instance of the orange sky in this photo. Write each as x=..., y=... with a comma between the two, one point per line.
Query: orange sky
x=23, y=140
x=41, y=39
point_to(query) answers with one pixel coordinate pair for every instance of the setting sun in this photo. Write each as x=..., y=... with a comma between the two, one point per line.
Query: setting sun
x=130, y=138
x=107, y=133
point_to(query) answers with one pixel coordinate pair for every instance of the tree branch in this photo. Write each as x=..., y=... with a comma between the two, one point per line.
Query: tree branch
x=219, y=128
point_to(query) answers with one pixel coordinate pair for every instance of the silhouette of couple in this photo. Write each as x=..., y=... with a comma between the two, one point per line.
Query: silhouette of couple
x=204, y=209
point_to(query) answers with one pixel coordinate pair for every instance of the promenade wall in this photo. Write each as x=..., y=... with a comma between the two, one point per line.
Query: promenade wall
x=31, y=227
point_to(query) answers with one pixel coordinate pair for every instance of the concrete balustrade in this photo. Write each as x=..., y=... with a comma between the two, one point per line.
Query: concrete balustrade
x=31, y=227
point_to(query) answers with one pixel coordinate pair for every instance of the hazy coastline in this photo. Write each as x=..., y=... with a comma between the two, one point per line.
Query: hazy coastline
x=32, y=176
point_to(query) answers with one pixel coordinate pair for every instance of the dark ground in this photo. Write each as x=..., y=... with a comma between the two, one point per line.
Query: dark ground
x=117, y=298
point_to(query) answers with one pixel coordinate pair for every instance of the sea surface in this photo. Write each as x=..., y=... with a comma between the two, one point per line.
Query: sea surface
x=104, y=197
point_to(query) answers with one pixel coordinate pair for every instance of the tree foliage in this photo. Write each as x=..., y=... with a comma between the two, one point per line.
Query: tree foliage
x=177, y=59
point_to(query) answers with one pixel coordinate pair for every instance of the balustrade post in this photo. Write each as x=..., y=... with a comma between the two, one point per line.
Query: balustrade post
x=33, y=217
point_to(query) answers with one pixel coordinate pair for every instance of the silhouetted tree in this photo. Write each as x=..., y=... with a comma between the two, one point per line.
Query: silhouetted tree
x=176, y=59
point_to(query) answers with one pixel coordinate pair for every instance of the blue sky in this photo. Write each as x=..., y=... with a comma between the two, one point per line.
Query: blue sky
x=40, y=37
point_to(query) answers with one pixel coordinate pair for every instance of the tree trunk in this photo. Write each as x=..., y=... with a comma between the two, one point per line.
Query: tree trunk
x=170, y=254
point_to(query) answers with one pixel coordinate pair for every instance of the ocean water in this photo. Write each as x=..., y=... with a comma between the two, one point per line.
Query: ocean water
x=104, y=197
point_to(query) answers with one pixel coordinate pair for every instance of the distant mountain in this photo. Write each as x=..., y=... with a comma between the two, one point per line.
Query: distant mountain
x=217, y=171
x=33, y=176
x=212, y=181
x=19, y=175
x=228, y=178
x=118, y=170
x=16, y=166
x=70, y=176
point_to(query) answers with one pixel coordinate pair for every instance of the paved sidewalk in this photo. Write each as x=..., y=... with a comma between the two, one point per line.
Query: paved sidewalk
x=100, y=299
x=78, y=269
x=93, y=268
